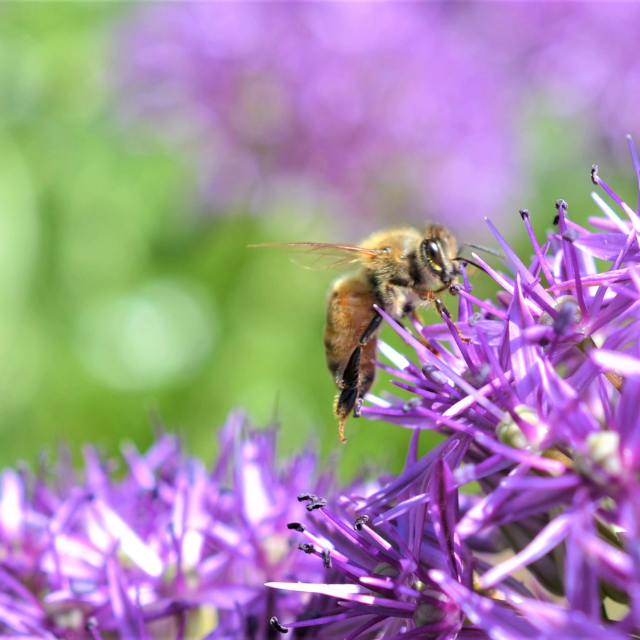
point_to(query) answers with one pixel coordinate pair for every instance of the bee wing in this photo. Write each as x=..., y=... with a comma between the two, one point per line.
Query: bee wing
x=320, y=255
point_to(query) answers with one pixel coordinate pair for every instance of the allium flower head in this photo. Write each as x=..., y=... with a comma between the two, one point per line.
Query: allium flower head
x=537, y=394
x=170, y=550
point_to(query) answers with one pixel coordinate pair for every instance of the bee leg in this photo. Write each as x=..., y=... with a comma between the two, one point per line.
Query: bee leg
x=370, y=330
x=349, y=399
x=348, y=395
x=442, y=310
x=345, y=401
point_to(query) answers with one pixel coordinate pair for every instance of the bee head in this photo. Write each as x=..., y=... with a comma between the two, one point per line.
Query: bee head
x=433, y=254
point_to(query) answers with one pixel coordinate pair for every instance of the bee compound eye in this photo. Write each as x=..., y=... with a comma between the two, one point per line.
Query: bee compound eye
x=432, y=253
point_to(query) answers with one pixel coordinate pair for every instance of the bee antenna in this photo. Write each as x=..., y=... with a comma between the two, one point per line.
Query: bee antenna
x=471, y=262
x=493, y=252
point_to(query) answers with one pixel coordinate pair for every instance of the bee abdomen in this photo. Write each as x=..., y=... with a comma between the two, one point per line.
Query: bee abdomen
x=334, y=352
x=349, y=313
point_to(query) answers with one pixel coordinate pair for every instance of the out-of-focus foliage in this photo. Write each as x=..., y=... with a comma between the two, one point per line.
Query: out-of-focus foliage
x=122, y=296
x=119, y=298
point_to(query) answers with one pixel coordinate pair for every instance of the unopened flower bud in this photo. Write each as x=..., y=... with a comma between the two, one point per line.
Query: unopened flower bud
x=386, y=570
x=604, y=447
x=510, y=433
x=433, y=374
x=480, y=378
x=427, y=613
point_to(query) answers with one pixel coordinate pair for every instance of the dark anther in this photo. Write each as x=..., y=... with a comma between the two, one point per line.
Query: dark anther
x=317, y=503
x=326, y=558
x=594, y=174
x=556, y=220
x=306, y=547
x=570, y=235
x=307, y=496
x=524, y=213
x=296, y=526
x=454, y=289
x=360, y=522
x=562, y=204
x=277, y=626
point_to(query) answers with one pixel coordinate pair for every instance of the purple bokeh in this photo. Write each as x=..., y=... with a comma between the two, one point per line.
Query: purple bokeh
x=381, y=112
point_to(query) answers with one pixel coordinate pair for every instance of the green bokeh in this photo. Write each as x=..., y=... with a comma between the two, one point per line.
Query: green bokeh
x=121, y=300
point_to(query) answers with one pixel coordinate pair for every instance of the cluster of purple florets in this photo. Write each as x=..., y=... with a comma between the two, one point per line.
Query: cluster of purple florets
x=538, y=396
x=524, y=522
x=171, y=550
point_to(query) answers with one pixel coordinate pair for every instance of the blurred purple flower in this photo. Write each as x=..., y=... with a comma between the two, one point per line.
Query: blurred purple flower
x=170, y=550
x=568, y=59
x=384, y=111
x=538, y=396
x=388, y=106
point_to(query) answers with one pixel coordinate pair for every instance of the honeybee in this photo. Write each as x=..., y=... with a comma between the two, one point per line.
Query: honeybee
x=400, y=269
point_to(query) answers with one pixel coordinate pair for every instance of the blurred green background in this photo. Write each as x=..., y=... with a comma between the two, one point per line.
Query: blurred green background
x=120, y=300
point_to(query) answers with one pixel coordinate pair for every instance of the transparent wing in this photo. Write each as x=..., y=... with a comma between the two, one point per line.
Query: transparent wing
x=319, y=255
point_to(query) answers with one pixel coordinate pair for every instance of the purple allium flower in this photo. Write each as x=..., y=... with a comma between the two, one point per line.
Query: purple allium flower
x=538, y=396
x=386, y=106
x=561, y=55
x=169, y=550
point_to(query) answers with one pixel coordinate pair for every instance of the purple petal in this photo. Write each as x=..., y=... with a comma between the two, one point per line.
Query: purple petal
x=498, y=620
x=11, y=505
x=443, y=509
x=127, y=616
x=521, y=269
x=524, y=356
x=605, y=246
x=627, y=420
x=130, y=543
x=581, y=581
x=548, y=539
x=616, y=361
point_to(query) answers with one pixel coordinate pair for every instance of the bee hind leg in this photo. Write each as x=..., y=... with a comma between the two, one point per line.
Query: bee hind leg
x=346, y=400
x=350, y=397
